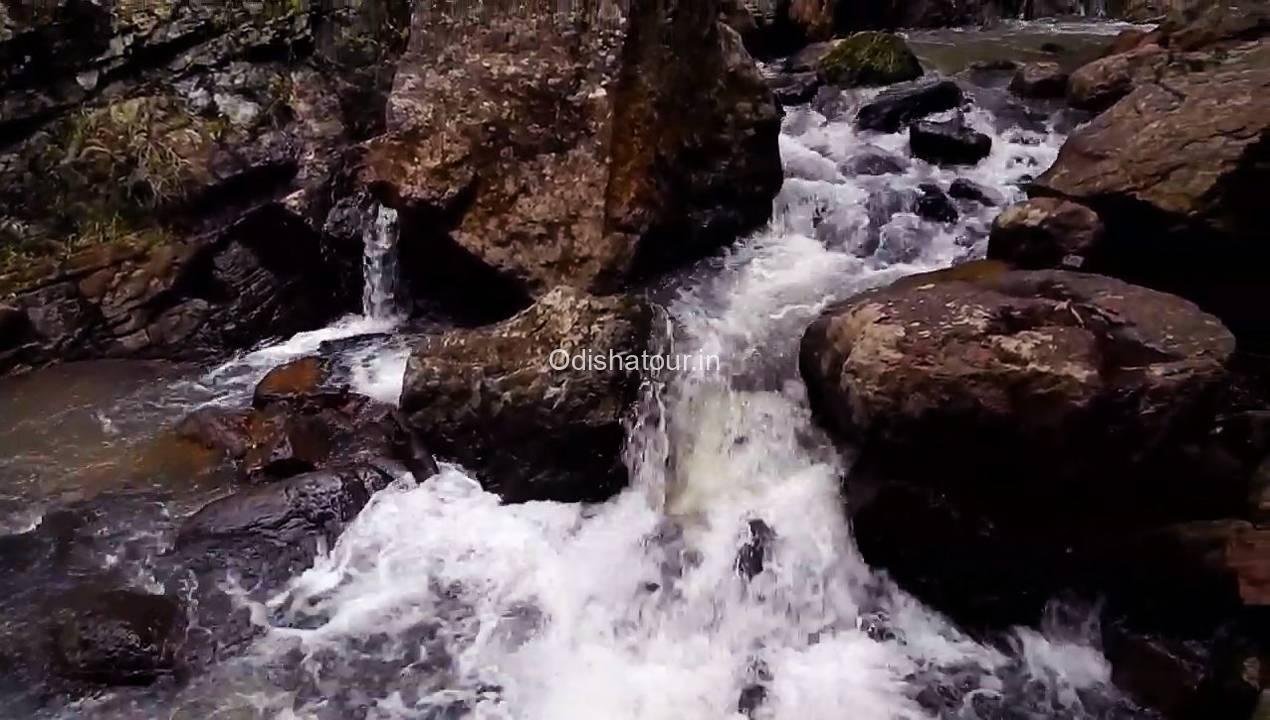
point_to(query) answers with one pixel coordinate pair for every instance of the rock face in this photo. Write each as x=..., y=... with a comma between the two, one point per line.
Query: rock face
x=1045, y=233
x=166, y=169
x=185, y=177
x=559, y=152
x=950, y=142
x=897, y=106
x=1174, y=168
x=1017, y=429
x=870, y=58
x=524, y=403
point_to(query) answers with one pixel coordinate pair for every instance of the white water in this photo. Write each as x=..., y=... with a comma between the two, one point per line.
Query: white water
x=379, y=264
x=440, y=602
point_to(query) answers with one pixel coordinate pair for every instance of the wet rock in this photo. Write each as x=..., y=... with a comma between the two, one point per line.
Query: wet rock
x=522, y=402
x=117, y=637
x=934, y=204
x=1197, y=233
x=794, y=88
x=950, y=142
x=897, y=106
x=308, y=379
x=1046, y=233
x=869, y=58
x=963, y=189
x=553, y=152
x=1047, y=367
x=304, y=419
x=874, y=161
x=1039, y=80
x=299, y=509
x=1101, y=83
x=753, y=554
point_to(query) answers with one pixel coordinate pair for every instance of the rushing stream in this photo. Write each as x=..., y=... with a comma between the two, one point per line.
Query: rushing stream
x=723, y=583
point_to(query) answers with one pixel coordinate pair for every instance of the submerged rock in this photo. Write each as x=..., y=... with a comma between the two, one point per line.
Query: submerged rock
x=534, y=404
x=1046, y=233
x=963, y=189
x=117, y=637
x=870, y=58
x=950, y=142
x=933, y=204
x=897, y=106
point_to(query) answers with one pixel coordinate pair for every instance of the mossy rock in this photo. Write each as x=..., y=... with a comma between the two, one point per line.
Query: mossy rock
x=870, y=58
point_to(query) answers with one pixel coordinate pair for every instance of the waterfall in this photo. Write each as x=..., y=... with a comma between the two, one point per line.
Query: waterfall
x=379, y=265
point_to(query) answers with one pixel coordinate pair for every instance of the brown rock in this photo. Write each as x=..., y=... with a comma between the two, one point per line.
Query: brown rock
x=1039, y=80
x=1045, y=233
x=982, y=372
x=1101, y=83
x=553, y=152
x=492, y=399
x=305, y=379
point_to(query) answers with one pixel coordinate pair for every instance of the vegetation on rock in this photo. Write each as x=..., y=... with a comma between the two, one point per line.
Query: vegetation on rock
x=870, y=58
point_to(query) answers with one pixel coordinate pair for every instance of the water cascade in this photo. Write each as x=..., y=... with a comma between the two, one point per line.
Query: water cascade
x=379, y=265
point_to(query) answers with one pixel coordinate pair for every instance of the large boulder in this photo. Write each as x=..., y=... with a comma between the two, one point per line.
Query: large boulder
x=1039, y=80
x=1017, y=432
x=1175, y=169
x=980, y=374
x=870, y=58
x=897, y=106
x=525, y=404
x=571, y=150
x=1099, y=84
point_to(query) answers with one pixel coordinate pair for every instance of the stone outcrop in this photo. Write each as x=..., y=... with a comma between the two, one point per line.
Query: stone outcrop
x=523, y=404
x=565, y=153
x=186, y=177
x=166, y=170
x=1175, y=166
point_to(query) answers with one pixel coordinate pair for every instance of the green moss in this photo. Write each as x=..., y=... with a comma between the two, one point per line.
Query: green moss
x=870, y=58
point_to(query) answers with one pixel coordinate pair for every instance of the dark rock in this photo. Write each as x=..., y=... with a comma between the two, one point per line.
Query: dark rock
x=117, y=637
x=1052, y=48
x=1046, y=233
x=999, y=65
x=935, y=205
x=492, y=399
x=1039, y=80
x=794, y=88
x=869, y=58
x=897, y=106
x=948, y=143
x=963, y=189
x=306, y=419
x=753, y=554
x=873, y=161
